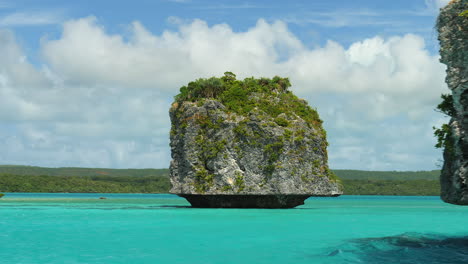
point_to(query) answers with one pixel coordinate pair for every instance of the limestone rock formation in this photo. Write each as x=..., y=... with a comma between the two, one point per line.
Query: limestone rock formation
x=453, y=37
x=247, y=144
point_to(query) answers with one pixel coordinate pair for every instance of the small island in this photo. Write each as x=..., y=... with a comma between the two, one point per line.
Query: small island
x=247, y=144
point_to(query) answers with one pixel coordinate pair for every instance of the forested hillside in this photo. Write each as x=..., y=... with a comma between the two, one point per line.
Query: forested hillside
x=39, y=179
x=387, y=175
x=83, y=184
x=343, y=174
x=71, y=171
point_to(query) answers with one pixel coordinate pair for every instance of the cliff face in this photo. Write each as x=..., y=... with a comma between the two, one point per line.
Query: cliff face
x=254, y=144
x=453, y=37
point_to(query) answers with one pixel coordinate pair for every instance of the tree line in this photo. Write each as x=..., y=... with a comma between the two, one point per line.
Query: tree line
x=77, y=171
x=39, y=179
x=392, y=187
x=83, y=184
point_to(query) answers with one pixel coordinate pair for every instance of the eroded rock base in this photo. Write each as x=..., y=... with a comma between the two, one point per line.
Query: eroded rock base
x=244, y=201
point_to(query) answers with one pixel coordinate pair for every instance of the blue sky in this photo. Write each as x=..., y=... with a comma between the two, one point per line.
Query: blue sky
x=89, y=83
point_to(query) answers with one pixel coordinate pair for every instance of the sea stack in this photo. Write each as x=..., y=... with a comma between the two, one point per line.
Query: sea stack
x=452, y=25
x=247, y=144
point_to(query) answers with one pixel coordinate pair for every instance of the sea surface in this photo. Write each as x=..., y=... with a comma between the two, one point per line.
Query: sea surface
x=163, y=228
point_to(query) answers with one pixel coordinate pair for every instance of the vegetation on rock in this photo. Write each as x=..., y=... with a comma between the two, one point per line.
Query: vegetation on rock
x=247, y=136
x=443, y=134
x=271, y=96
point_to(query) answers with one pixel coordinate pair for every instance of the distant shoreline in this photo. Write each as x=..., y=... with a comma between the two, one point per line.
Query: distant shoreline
x=32, y=179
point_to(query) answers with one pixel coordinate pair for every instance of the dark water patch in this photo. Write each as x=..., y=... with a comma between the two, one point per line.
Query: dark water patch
x=174, y=206
x=155, y=207
x=411, y=248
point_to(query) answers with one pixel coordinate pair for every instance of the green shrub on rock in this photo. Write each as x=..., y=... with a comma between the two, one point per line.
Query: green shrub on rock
x=271, y=96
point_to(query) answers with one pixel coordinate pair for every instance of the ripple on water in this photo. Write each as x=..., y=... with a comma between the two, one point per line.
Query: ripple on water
x=410, y=248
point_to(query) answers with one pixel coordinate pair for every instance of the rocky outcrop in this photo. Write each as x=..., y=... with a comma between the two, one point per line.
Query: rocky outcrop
x=251, y=144
x=453, y=37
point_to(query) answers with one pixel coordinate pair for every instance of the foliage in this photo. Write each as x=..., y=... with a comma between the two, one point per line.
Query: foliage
x=391, y=187
x=444, y=133
x=72, y=171
x=1, y=195
x=91, y=172
x=83, y=184
x=355, y=182
x=203, y=180
x=209, y=149
x=239, y=182
x=281, y=121
x=272, y=152
x=387, y=175
x=464, y=13
x=269, y=95
x=446, y=106
x=332, y=176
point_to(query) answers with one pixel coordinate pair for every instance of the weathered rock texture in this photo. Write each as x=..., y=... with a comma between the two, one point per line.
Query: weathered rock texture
x=453, y=37
x=223, y=158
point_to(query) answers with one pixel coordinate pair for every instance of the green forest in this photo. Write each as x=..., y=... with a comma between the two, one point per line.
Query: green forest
x=97, y=180
x=83, y=184
x=71, y=171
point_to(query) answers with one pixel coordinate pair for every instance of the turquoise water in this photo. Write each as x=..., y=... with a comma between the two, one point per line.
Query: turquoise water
x=162, y=228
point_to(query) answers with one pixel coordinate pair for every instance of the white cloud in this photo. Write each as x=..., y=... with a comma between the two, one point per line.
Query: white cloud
x=31, y=19
x=344, y=18
x=382, y=76
x=86, y=54
x=102, y=100
x=431, y=8
x=387, y=71
x=435, y=5
x=236, y=6
x=14, y=65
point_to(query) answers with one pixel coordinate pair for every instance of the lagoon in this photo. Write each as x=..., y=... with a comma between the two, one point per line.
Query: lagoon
x=163, y=228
